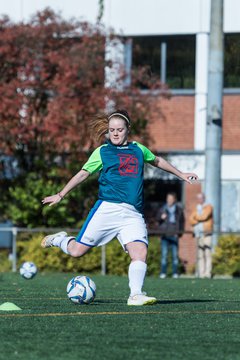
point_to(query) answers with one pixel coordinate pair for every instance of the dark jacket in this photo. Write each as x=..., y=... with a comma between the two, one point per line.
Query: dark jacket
x=168, y=228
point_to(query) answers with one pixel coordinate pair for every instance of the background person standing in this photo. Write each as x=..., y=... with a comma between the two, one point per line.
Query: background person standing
x=202, y=221
x=171, y=220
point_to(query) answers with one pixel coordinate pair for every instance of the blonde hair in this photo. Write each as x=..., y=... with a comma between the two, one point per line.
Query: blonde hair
x=99, y=125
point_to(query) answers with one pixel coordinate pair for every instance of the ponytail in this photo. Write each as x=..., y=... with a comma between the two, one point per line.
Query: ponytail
x=99, y=125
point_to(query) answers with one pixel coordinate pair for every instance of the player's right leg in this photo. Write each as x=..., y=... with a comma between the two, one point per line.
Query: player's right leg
x=67, y=243
x=53, y=240
x=98, y=229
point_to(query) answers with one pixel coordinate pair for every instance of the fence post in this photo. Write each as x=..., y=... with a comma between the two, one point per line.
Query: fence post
x=14, y=249
x=103, y=260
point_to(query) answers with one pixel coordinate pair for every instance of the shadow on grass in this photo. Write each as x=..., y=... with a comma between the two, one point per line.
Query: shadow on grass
x=184, y=301
x=109, y=301
x=160, y=302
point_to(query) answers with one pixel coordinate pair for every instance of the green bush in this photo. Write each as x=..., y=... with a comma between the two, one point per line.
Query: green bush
x=54, y=259
x=117, y=260
x=24, y=207
x=154, y=256
x=226, y=258
x=5, y=263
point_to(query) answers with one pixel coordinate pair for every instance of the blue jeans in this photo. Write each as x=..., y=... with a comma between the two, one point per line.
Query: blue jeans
x=167, y=241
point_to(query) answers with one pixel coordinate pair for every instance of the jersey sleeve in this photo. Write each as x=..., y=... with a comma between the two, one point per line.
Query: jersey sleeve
x=94, y=162
x=147, y=154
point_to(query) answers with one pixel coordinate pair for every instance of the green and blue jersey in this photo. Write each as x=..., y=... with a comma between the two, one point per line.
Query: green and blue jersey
x=121, y=172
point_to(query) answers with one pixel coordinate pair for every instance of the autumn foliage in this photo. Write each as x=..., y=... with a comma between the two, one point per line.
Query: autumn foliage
x=52, y=84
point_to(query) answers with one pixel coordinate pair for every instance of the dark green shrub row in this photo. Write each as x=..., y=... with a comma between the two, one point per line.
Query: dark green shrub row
x=226, y=257
x=22, y=201
x=5, y=262
x=54, y=259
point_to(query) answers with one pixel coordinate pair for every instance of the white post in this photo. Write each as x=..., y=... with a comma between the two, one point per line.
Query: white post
x=201, y=82
x=163, y=62
x=103, y=260
x=14, y=249
x=214, y=115
x=201, y=74
x=114, y=54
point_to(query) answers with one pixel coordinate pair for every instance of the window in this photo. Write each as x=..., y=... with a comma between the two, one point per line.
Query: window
x=232, y=61
x=230, y=212
x=180, y=58
x=155, y=191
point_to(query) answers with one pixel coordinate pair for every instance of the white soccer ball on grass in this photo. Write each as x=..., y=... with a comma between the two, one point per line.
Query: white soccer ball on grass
x=28, y=270
x=81, y=290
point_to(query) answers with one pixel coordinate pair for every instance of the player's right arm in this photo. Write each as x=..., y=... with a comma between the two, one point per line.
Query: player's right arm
x=93, y=165
x=73, y=182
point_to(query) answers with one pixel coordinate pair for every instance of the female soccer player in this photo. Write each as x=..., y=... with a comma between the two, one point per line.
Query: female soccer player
x=118, y=211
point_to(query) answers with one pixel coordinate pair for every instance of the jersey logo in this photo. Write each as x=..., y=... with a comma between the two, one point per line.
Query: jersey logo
x=128, y=165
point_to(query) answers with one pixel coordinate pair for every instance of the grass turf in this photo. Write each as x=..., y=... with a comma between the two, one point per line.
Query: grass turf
x=193, y=319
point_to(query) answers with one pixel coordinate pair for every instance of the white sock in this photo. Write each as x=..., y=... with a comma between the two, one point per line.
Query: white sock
x=58, y=239
x=62, y=241
x=64, y=244
x=136, y=274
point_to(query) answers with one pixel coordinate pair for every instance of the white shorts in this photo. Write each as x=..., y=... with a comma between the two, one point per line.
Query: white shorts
x=108, y=220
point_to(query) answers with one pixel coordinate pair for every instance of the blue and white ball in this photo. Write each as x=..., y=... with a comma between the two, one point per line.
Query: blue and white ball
x=81, y=290
x=28, y=270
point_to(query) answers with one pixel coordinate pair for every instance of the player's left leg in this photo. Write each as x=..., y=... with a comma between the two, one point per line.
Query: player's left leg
x=136, y=273
x=132, y=235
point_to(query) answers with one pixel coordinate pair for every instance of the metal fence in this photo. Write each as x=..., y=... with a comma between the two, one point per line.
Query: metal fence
x=14, y=231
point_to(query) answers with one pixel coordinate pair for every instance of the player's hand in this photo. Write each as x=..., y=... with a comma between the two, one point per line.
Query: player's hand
x=52, y=200
x=190, y=177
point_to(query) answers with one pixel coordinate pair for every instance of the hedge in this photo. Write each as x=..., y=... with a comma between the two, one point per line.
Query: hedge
x=117, y=261
x=226, y=257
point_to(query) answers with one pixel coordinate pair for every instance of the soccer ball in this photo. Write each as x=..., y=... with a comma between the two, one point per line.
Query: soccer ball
x=28, y=270
x=81, y=290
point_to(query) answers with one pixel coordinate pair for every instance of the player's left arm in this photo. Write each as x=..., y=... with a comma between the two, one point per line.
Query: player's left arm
x=161, y=163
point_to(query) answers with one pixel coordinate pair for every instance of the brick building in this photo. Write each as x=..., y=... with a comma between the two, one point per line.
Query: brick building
x=172, y=39
x=173, y=135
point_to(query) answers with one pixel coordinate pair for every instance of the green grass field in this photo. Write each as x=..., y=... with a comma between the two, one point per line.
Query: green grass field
x=193, y=319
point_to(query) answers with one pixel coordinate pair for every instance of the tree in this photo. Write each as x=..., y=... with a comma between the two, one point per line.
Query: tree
x=51, y=85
